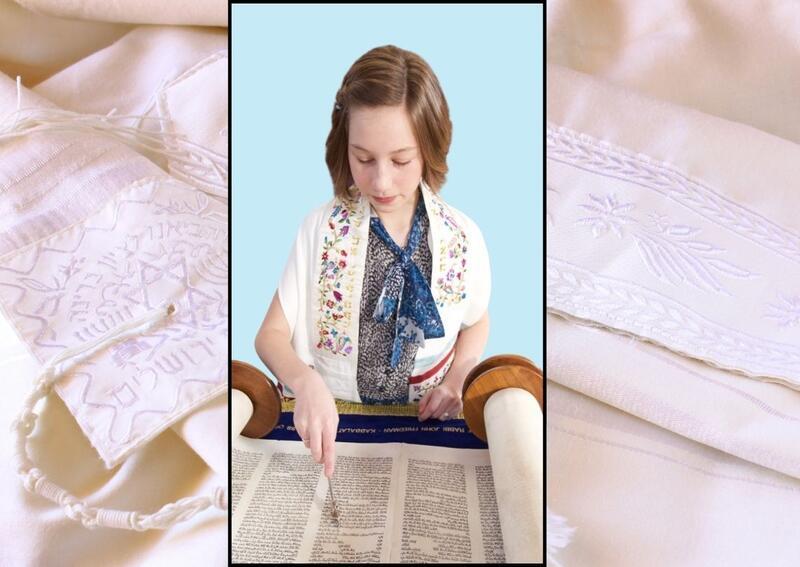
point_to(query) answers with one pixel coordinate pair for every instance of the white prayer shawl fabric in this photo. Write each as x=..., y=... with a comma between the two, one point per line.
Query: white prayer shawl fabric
x=638, y=494
x=73, y=276
x=320, y=289
x=674, y=234
x=190, y=83
x=163, y=469
x=755, y=421
x=662, y=237
x=170, y=93
x=55, y=44
x=174, y=12
x=35, y=532
x=727, y=59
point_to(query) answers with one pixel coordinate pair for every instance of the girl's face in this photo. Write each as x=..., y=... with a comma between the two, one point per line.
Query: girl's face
x=384, y=157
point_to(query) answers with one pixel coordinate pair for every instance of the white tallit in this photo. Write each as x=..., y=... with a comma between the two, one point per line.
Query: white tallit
x=673, y=267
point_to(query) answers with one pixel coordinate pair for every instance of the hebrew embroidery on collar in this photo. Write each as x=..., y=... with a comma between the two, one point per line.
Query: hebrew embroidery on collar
x=156, y=240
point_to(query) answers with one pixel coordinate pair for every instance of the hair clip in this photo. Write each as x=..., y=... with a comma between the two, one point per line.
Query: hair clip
x=337, y=106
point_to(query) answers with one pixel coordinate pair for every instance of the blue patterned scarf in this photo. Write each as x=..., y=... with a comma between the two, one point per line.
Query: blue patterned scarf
x=406, y=292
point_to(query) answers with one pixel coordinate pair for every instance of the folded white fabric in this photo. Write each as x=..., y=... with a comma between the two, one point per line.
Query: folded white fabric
x=175, y=12
x=70, y=182
x=184, y=94
x=753, y=420
x=673, y=291
x=656, y=229
x=639, y=494
x=166, y=469
x=177, y=74
x=35, y=46
x=76, y=272
x=727, y=59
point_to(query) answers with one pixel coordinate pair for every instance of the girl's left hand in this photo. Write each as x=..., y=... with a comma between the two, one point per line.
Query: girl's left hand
x=443, y=399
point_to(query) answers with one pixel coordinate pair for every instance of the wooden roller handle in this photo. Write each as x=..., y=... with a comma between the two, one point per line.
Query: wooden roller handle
x=494, y=374
x=262, y=393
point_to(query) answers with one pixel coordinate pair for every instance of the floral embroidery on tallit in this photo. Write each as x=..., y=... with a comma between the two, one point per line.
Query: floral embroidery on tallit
x=452, y=258
x=336, y=278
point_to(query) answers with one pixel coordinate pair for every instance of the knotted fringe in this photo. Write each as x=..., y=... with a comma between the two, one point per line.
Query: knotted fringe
x=34, y=480
x=187, y=161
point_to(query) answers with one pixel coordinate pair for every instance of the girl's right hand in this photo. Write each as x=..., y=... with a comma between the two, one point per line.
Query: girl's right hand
x=316, y=419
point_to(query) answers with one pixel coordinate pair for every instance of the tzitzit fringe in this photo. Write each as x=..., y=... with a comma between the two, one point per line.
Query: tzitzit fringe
x=187, y=161
x=35, y=480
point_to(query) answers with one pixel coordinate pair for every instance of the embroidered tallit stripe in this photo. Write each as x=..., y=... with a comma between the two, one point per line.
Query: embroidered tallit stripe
x=634, y=309
x=48, y=187
x=586, y=153
x=337, y=278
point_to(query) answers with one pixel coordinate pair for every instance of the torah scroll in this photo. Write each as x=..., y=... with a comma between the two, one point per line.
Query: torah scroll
x=397, y=502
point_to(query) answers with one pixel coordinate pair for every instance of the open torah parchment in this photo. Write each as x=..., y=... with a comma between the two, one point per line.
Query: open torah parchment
x=397, y=502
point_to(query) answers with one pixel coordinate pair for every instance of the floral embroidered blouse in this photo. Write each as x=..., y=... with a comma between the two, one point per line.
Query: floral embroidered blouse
x=326, y=284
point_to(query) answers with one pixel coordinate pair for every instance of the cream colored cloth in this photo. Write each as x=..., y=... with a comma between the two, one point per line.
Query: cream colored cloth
x=657, y=232
x=165, y=470
x=727, y=59
x=638, y=494
x=175, y=12
x=158, y=72
x=35, y=46
x=673, y=270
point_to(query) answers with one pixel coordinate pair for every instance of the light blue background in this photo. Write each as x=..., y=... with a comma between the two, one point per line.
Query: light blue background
x=287, y=64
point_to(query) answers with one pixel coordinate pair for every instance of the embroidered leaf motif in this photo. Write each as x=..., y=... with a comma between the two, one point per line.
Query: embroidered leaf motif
x=670, y=253
x=573, y=291
x=589, y=154
x=786, y=311
x=609, y=214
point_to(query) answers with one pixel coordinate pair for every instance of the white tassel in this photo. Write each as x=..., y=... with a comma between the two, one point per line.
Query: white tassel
x=559, y=534
x=34, y=480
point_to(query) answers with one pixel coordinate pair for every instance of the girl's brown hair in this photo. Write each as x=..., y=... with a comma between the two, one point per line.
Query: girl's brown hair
x=390, y=76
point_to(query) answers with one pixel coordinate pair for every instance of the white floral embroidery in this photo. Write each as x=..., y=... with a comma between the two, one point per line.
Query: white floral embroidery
x=786, y=311
x=669, y=251
x=586, y=153
x=686, y=235
x=609, y=214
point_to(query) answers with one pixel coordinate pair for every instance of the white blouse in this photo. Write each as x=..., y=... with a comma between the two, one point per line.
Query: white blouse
x=321, y=285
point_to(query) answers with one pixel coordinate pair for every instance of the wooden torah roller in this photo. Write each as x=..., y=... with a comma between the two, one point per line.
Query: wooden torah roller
x=503, y=406
x=489, y=377
x=256, y=403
